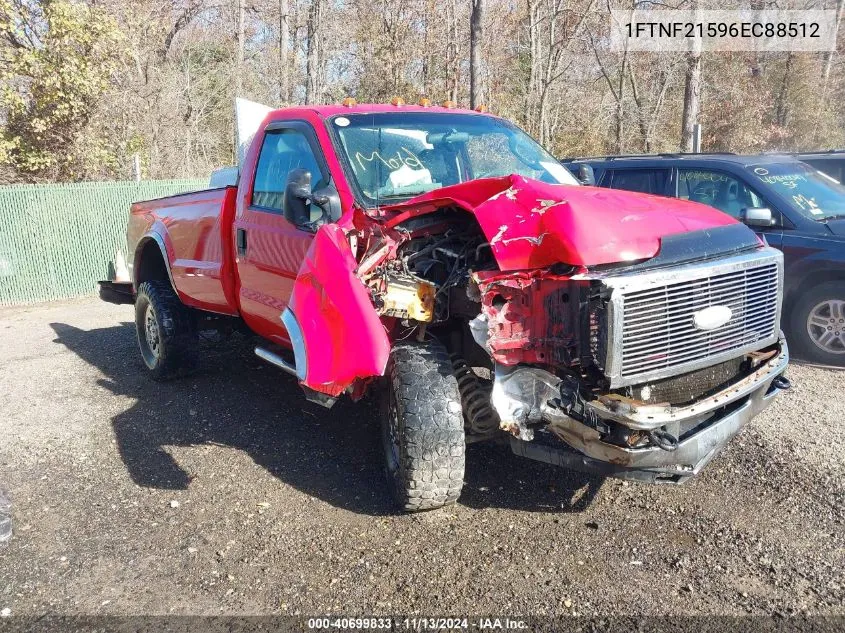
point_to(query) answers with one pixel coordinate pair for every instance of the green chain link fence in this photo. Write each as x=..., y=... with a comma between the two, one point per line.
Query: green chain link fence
x=56, y=241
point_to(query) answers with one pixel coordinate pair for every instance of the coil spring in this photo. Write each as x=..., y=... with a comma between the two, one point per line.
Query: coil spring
x=475, y=398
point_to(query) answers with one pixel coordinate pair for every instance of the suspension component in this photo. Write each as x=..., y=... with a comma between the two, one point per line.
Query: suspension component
x=479, y=415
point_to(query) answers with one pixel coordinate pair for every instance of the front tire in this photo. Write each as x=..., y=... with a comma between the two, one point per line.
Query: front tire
x=423, y=428
x=166, y=330
x=818, y=325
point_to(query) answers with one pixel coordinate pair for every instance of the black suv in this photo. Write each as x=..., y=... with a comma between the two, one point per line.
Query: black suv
x=796, y=208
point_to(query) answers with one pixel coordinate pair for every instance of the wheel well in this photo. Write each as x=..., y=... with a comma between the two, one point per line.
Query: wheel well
x=150, y=265
x=812, y=280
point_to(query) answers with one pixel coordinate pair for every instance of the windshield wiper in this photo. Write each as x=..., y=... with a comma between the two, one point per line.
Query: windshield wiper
x=404, y=194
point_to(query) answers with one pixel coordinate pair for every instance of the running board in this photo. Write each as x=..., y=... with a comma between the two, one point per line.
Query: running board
x=275, y=359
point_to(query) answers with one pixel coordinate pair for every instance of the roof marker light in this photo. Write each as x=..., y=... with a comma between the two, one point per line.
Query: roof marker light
x=449, y=104
x=424, y=102
x=480, y=108
x=349, y=102
x=397, y=101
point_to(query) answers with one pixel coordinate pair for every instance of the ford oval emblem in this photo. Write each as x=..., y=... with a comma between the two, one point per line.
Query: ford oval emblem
x=712, y=317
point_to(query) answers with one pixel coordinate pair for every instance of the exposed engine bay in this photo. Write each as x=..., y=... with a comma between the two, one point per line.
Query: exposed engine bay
x=429, y=280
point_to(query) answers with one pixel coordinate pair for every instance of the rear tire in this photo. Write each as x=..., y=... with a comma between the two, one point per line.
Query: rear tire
x=423, y=428
x=817, y=325
x=166, y=330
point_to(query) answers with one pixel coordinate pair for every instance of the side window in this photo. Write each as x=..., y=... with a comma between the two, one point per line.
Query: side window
x=282, y=152
x=641, y=180
x=719, y=190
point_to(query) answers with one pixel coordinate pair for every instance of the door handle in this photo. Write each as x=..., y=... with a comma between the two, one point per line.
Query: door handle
x=240, y=238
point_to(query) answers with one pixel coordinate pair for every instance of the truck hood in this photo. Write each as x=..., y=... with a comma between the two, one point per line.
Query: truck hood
x=532, y=224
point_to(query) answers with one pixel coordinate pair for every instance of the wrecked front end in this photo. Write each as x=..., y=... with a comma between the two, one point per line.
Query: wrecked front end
x=587, y=336
x=664, y=366
x=661, y=367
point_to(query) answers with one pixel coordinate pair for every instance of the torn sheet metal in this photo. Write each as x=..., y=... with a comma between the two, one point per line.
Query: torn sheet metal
x=531, y=317
x=344, y=338
x=532, y=224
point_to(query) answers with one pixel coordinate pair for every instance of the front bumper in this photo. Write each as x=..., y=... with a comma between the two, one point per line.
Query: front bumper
x=702, y=428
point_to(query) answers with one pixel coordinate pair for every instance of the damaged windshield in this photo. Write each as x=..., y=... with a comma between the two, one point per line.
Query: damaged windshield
x=807, y=190
x=393, y=156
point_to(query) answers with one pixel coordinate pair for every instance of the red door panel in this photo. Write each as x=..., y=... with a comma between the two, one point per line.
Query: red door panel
x=274, y=251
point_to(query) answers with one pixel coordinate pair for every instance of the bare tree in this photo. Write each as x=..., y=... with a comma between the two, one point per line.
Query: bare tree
x=829, y=55
x=475, y=34
x=543, y=63
x=239, y=63
x=692, y=94
x=313, y=61
x=284, y=46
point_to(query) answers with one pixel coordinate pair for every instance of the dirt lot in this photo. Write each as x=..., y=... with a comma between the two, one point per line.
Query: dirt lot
x=227, y=492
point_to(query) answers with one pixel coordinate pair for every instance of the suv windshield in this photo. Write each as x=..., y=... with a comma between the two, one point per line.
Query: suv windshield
x=393, y=156
x=808, y=191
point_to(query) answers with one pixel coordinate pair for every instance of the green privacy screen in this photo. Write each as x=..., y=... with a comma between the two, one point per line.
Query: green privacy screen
x=56, y=241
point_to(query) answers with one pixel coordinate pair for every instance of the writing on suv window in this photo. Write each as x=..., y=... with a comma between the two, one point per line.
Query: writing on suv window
x=805, y=189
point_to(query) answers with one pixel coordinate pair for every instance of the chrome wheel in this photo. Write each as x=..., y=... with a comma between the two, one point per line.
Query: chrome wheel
x=826, y=325
x=151, y=333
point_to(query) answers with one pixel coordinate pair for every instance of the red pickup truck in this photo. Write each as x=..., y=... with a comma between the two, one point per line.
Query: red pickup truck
x=443, y=257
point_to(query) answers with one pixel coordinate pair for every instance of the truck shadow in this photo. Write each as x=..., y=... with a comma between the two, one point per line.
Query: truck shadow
x=236, y=400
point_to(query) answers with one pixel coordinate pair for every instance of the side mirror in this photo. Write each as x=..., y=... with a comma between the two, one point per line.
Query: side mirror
x=758, y=216
x=298, y=197
x=586, y=175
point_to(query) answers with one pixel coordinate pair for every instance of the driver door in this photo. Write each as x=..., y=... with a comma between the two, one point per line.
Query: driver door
x=268, y=248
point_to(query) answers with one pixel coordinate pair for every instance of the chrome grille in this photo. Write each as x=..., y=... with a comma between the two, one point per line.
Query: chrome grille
x=651, y=330
x=658, y=324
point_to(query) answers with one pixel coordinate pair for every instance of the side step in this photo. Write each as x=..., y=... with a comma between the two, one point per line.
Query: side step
x=311, y=395
x=275, y=359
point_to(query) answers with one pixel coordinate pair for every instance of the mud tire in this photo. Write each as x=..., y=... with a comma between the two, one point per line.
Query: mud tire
x=174, y=351
x=423, y=428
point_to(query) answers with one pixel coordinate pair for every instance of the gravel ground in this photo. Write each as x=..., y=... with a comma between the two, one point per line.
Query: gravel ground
x=227, y=493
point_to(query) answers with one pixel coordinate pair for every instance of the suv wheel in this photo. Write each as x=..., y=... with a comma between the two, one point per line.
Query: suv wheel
x=166, y=331
x=818, y=325
x=423, y=428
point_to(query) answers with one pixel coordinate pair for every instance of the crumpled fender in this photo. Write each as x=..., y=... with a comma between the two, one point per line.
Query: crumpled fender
x=342, y=337
x=532, y=224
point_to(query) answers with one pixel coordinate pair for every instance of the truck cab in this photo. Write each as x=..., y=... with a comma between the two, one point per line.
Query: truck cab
x=444, y=259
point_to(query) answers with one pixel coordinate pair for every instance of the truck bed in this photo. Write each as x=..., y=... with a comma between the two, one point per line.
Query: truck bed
x=196, y=230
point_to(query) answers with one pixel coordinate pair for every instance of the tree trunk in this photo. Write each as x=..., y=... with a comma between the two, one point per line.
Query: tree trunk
x=452, y=61
x=239, y=81
x=641, y=104
x=782, y=102
x=829, y=55
x=475, y=34
x=284, y=45
x=313, y=85
x=692, y=100
x=533, y=44
x=620, y=105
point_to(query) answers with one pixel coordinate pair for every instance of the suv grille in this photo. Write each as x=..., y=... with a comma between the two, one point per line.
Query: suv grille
x=658, y=323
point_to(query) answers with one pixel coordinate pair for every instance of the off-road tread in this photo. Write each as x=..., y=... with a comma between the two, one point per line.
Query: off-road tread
x=431, y=434
x=177, y=329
